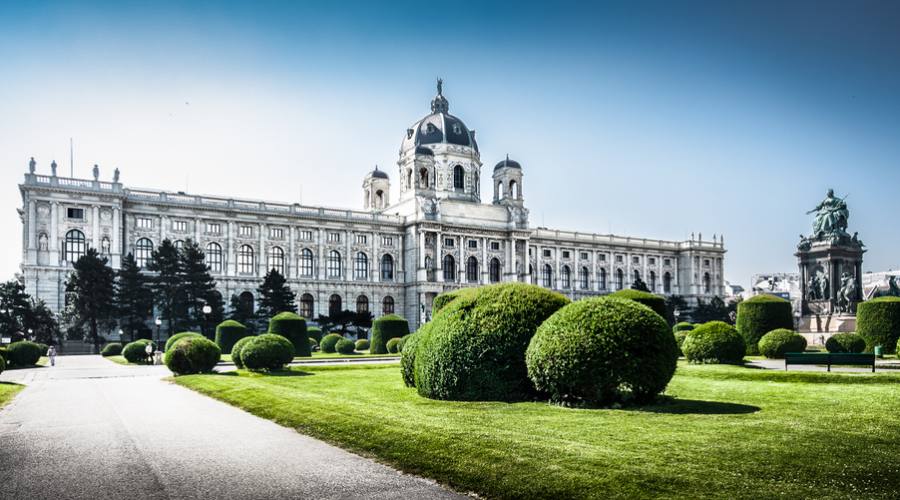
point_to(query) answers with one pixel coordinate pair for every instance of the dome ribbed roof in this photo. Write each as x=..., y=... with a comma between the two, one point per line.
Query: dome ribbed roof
x=378, y=174
x=440, y=127
x=507, y=163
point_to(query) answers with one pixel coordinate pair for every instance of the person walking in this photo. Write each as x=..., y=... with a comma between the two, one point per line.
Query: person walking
x=51, y=353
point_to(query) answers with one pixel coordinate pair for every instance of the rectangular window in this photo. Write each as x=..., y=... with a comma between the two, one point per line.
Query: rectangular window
x=495, y=246
x=361, y=239
x=449, y=242
x=565, y=254
x=705, y=262
x=585, y=256
x=635, y=260
x=652, y=261
x=620, y=259
x=245, y=231
x=213, y=228
x=334, y=237
x=667, y=262
x=473, y=244
x=306, y=235
x=144, y=222
x=387, y=241
x=75, y=213
x=548, y=252
x=276, y=233
x=179, y=225
x=602, y=257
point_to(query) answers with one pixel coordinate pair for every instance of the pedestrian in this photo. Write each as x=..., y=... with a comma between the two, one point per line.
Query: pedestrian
x=51, y=353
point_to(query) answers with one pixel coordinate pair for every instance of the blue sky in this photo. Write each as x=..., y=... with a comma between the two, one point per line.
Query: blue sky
x=640, y=118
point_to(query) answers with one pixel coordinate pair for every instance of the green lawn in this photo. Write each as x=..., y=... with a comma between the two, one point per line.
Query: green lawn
x=723, y=431
x=8, y=390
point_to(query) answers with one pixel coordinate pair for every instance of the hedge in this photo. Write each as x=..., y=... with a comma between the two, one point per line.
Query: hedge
x=314, y=332
x=714, y=342
x=776, y=343
x=878, y=322
x=312, y=344
x=228, y=333
x=393, y=345
x=362, y=345
x=345, y=346
x=408, y=357
x=386, y=328
x=329, y=341
x=443, y=299
x=845, y=342
x=237, y=349
x=602, y=350
x=292, y=326
x=655, y=302
x=683, y=327
x=760, y=315
x=111, y=349
x=679, y=337
x=402, y=342
x=192, y=355
x=178, y=336
x=2, y=364
x=136, y=352
x=268, y=351
x=24, y=353
x=475, y=347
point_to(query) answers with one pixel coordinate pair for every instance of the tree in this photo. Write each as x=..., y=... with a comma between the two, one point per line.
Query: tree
x=134, y=297
x=675, y=303
x=92, y=286
x=199, y=288
x=342, y=320
x=168, y=285
x=639, y=284
x=275, y=296
x=714, y=310
x=15, y=307
x=42, y=322
x=242, y=312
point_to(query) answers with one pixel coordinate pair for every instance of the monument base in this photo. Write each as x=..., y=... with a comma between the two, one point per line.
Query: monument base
x=818, y=328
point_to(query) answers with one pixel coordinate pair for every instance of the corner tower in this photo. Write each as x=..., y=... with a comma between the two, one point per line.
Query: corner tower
x=376, y=190
x=508, y=183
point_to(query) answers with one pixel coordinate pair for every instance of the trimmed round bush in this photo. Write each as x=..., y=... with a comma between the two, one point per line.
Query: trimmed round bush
x=655, y=302
x=292, y=326
x=408, y=357
x=313, y=345
x=683, y=326
x=314, y=332
x=679, y=340
x=601, y=350
x=43, y=347
x=443, y=299
x=362, y=345
x=111, y=349
x=393, y=345
x=386, y=328
x=192, y=355
x=878, y=323
x=4, y=353
x=228, y=333
x=402, y=342
x=345, y=346
x=776, y=343
x=268, y=351
x=24, y=353
x=329, y=341
x=760, y=315
x=136, y=352
x=178, y=336
x=2, y=364
x=714, y=342
x=845, y=342
x=475, y=346
x=237, y=348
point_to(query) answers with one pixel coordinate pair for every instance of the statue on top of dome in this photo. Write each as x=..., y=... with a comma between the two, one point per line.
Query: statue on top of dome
x=440, y=86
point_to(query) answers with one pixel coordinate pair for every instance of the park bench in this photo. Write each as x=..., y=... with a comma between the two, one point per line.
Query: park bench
x=829, y=358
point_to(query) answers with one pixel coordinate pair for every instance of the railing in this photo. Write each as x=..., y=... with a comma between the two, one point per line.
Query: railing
x=68, y=182
x=611, y=239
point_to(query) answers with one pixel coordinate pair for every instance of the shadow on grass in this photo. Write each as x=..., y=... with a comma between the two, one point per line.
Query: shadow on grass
x=677, y=406
x=17, y=367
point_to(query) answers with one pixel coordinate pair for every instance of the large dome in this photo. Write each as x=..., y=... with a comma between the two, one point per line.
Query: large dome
x=440, y=127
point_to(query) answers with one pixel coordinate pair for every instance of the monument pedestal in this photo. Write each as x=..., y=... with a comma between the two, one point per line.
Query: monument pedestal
x=817, y=329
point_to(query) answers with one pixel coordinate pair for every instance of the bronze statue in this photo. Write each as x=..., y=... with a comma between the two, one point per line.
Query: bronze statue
x=847, y=293
x=831, y=217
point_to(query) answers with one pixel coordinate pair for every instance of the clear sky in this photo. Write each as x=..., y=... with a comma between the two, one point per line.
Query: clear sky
x=640, y=118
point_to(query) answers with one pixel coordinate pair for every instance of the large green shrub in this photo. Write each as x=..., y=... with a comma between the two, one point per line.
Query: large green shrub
x=408, y=357
x=402, y=342
x=268, y=351
x=684, y=326
x=845, y=342
x=600, y=350
x=228, y=333
x=679, y=340
x=111, y=349
x=178, y=336
x=4, y=353
x=760, y=315
x=475, y=346
x=136, y=352
x=43, y=347
x=776, y=343
x=878, y=322
x=345, y=346
x=238, y=348
x=314, y=332
x=192, y=355
x=655, y=302
x=329, y=341
x=385, y=328
x=714, y=342
x=2, y=364
x=393, y=345
x=292, y=327
x=443, y=299
x=362, y=345
x=24, y=353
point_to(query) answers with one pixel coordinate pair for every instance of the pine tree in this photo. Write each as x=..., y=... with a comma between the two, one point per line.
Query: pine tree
x=91, y=287
x=199, y=288
x=168, y=286
x=42, y=322
x=134, y=297
x=15, y=304
x=275, y=296
x=242, y=312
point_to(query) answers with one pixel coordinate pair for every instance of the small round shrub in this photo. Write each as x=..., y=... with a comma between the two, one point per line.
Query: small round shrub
x=329, y=341
x=393, y=345
x=291, y=326
x=655, y=302
x=682, y=327
x=345, y=346
x=268, y=351
x=679, y=340
x=238, y=348
x=314, y=332
x=228, y=333
x=760, y=315
x=878, y=322
x=776, y=343
x=408, y=357
x=475, y=347
x=600, y=350
x=111, y=349
x=192, y=355
x=24, y=353
x=362, y=345
x=402, y=342
x=714, y=342
x=178, y=336
x=313, y=345
x=845, y=342
x=385, y=328
x=136, y=352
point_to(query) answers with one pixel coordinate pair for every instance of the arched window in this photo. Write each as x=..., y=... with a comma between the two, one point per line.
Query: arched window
x=245, y=259
x=387, y=305
x=213, y=257
x=361, y=266
x=637, y=276
x=652, y=284
x=276, y=259
x=603, y=279
x=667, y=282
x=531, y=273
x=245, y=301
x=178, y=244
x=707, y=283
x=494, y=270
x=334, y=305
x=387, y=268
x=513, y=190
x=566, y=275
x=379, y=199
x=362, y=304
x=459, y=178
x=143, y=252
x=75, y=245
x=547, y=276
x=472, y=270
x=307, y=305
x=449, y=268
x=409, y=179
x=306, y=262
x=423, y=178
x=500, y=190
x=584, y=278
x=620, y=279
x=333, y=268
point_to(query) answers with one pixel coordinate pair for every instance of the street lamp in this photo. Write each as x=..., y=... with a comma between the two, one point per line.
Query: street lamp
x=158, y=324
x=30, y=334
x=677, y=314
x=207, y=310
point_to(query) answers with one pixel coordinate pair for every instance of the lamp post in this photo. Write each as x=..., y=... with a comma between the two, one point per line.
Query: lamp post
x=676, y=313
x=30, y=334
x=207, y=310
x=158, y=324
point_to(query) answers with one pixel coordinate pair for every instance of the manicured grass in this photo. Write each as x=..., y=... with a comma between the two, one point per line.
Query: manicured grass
x=8, y=390
x=721, y=431
x=118, y=359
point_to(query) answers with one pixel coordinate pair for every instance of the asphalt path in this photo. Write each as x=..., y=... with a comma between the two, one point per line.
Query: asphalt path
x=91, y=429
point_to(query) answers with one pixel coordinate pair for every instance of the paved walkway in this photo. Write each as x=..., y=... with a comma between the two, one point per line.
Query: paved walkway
x=881, y=366
x=91, y=429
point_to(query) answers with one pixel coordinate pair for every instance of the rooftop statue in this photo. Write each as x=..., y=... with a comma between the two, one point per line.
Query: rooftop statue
x=831, y=217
